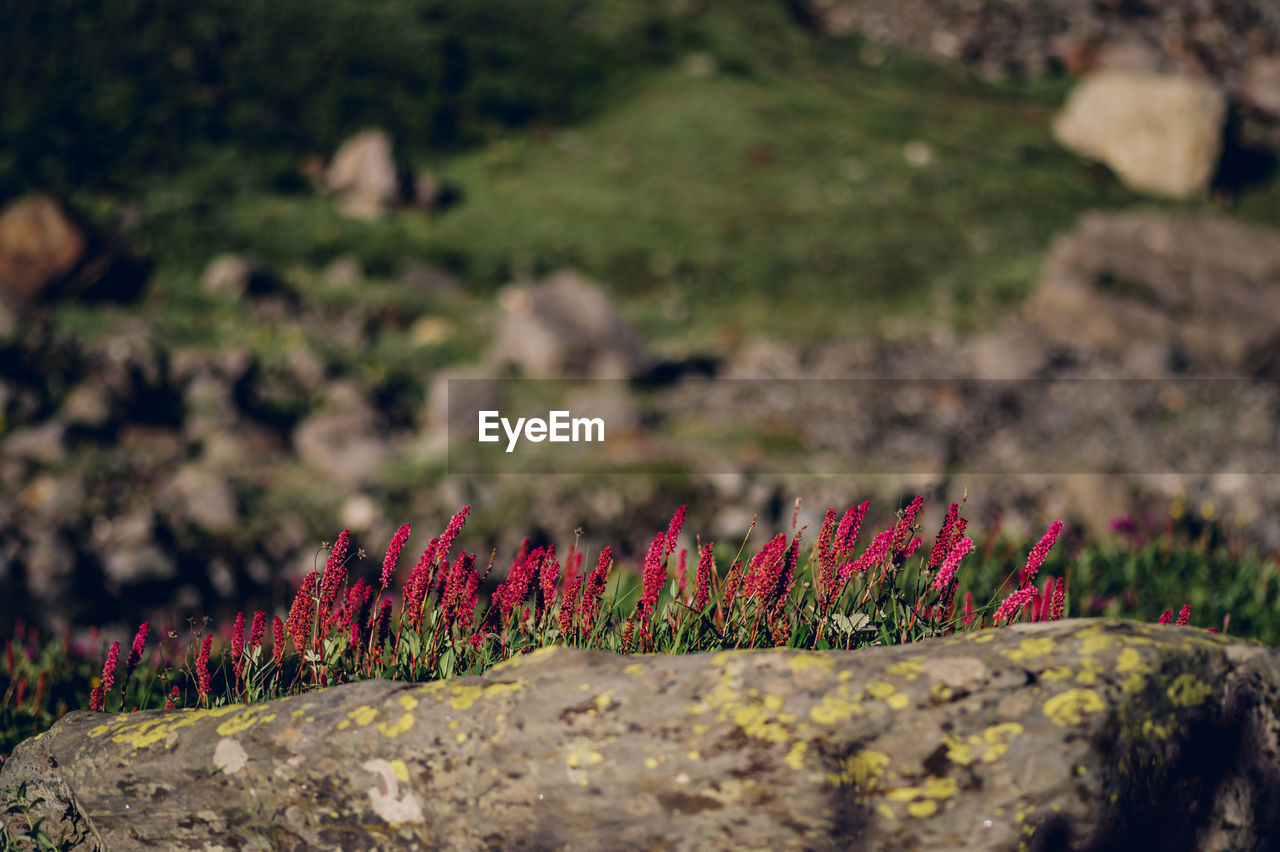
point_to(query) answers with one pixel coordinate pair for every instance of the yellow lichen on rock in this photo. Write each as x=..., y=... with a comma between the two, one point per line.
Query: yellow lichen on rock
x=1029, y=649
x=1188, y=691
x=405, y=723
x=810, y=661
x=909, y=669
x=833, y=709
x=863, y=770
x=1068, y=708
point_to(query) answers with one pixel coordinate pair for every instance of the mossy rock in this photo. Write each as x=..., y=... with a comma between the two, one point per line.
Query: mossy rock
x=1075, y=734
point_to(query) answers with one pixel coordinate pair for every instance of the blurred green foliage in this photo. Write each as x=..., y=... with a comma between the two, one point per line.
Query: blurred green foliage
x=98, y=93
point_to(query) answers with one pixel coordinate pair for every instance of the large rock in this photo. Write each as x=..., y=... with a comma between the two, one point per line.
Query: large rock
x=1068, y=735
x=566, y=326
x=1161, y=134
x=1201, y=291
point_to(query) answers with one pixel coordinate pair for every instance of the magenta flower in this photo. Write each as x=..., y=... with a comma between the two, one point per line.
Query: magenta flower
x=237, y=645
x=947, y=538
x=947, y=572
x=1165, y=617
x=1039, y=552
x=393, y=554
x=335, y=574
x=1184, y=617
x=109, y=670
x=673, y=533
x=1013, y=604
x=1059, y=600
x=139, y=643
x=594, y=589
x=259, y=627
x=654, y=575
x=706, y=567
x=846, y=537
x=277, y=638
x=302, y=612
x=202, y=665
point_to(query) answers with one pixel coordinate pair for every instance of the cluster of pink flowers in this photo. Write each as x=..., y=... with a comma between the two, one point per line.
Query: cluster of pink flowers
x=593, y=590
x=1026, y=595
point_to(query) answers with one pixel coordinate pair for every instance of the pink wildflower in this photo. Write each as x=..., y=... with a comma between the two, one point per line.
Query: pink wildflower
x=946, y=540
x=384, y=623
x=706, y=567
x=1184, y=617
x=673, y=533
x=202, y=666
x=237, y=645
x=846, y=537
x=593, y=591
x=302, y=612
x=139, y=644
x=947, y=572
x=902, y=530
x=277, y=638
x=393, y=555
x=109, y=670
x=259, y=627
x=654, y=576
x=1039, y=552
x=568, y=605
x=1014, y=604
x=335, y=574
x=1058, y=601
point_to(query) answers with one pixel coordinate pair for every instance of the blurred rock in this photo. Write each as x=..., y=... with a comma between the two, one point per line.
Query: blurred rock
x=202, y=497
x=344, y=439
x=88, y=405
x=231, y=276
x=306, y=368
x=1260, y=85
x=1162, y=135
x=50, y=564
x=428, y=278
x=47, y=254
x=53, y=497
x=1201, y=289
x=40, y=245
x=363, y=173
x=129, y=551
x=344, y=272
x=43, y=443
x=566, y=326
x=358, y=512
x=1216, y=39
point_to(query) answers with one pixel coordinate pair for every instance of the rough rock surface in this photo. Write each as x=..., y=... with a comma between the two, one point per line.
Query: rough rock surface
x=1204, y=290
x=566, y=326
x=1217, y=38
x=1067, y=735
x=1160, y=134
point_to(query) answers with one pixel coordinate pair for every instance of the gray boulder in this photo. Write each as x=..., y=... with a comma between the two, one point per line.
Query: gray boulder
x=566, y=327
x=1203, y=291
x=1067, y=735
